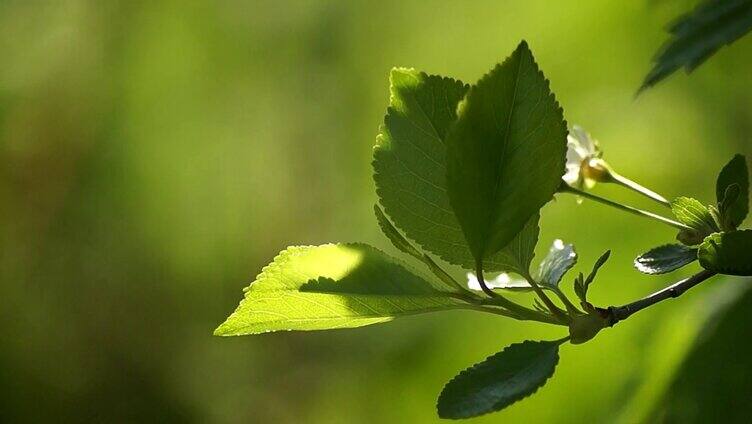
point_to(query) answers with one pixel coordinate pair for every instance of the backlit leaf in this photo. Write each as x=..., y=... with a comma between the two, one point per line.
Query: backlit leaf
x=505, y=154
x=333, y=286
x=697, y=216
x=409, y=161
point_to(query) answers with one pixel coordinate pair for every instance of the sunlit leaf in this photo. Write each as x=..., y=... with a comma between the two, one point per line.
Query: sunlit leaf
x=727, y=253
x=697, y=35
x=409, y=161
x=502, y=379
x=663, y=259
x=333, y=286
x=505, y=154
x=695, y=215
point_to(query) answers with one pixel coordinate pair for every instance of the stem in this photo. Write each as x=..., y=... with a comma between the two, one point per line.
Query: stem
x=482, y=281
x=546, y=300
x=565, y=188
x=619, y=313
x=521, y=313
x=532, y=316
x=499, y=300
x=567, y=304
x=650, y=194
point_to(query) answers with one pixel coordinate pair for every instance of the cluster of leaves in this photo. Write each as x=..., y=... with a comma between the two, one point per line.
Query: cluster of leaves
x=461, y=172
x=712, y=233
x=698, y=34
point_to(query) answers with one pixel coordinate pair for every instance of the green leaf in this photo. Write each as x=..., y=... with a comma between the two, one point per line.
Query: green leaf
x=394, y=236
x=663, y=259
x=505, y=153
x=560, y=259
x=727, y=253
x=499, y=381
x=582, y=285
x=697, y=216
x=410, y=172
x=409, y=161
x=733, y=211
x=333, y=286
x=697, y=35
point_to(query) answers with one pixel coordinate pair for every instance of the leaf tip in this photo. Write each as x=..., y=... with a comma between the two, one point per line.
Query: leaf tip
x=222, y=330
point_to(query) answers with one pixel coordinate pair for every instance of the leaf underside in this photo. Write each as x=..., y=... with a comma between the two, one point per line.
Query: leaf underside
x=663, y=259
x=727, y=253
x=560, y=259
x=502, y=379
x=505, y=153
x=698, y=35
x=333, y=286
x=409, y=164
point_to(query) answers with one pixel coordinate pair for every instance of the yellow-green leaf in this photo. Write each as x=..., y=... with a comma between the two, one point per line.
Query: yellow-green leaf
x=333, y=286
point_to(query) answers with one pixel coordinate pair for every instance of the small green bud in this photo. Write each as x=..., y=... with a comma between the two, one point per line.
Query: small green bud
x=690, y=237
x=585, y=327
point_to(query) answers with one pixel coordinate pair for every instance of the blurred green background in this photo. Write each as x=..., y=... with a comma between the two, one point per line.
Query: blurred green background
x=155, y=155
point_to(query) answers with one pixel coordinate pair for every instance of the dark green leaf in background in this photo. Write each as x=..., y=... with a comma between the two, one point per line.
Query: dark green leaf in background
x=663, y=259
x=711, y=384
x=699, y=34
x=735, y=172
x=505, y=154
x=727, y=253
x=502, y=379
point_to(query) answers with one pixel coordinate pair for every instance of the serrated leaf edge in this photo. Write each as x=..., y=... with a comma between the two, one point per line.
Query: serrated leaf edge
x=516, y=399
